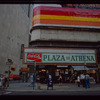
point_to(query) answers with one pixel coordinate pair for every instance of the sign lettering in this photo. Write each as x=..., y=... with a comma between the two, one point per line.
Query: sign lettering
x=68, y=58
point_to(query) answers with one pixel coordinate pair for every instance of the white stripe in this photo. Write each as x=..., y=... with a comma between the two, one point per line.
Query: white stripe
x=79, y=26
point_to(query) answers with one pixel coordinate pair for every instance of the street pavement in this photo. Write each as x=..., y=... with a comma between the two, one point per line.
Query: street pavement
x=20, y=88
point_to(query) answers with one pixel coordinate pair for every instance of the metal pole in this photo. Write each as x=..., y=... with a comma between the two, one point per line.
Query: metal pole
x=84, y=65
x=34, y=74
x=8, y=75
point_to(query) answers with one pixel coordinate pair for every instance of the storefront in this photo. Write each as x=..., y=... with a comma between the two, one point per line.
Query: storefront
x=67, y=62
x=91, y=70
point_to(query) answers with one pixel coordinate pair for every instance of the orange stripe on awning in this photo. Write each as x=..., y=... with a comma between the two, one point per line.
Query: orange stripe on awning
x=73, y=18
x=64, y=22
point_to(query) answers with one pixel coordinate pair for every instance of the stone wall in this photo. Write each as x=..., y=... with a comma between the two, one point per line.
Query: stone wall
x=14, y=31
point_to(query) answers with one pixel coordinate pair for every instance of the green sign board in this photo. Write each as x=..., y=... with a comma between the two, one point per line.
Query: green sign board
x=49, y=56
x=68, y=58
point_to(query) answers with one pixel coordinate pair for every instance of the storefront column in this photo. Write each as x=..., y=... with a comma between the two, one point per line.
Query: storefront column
x=98, y=76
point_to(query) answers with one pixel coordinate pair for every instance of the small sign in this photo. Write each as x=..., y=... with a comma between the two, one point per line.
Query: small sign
x=13, y=68
x=24, y=69
x=31, y=57
x=66, y=72
x=57, y=73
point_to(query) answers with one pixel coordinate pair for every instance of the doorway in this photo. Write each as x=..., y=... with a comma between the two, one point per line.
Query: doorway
x=51, y=71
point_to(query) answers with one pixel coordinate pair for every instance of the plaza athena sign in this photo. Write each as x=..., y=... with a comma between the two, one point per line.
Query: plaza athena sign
x=69, y=58
x=58, y=56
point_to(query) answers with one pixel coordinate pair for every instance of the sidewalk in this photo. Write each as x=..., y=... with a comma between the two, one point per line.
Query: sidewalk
x=23, y=87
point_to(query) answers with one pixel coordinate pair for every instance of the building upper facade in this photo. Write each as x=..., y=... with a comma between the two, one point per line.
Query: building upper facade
x=63, y=22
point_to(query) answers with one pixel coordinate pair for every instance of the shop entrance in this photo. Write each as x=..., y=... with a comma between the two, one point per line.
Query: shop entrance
x=55, y=71
x=64, y=71
x=44, y=71
x=41, y=74
x=51, y=71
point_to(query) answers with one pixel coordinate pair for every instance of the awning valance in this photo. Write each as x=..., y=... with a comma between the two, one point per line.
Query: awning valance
x=84, y=68
x=93, y=68
x=80, y=68
x=61, y=66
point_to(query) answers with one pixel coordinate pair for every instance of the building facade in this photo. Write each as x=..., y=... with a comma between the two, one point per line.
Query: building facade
x=57, y=29
x=14, y=34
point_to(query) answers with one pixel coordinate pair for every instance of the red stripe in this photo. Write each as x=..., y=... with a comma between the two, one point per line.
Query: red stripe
x=67, y=9
x=62, y=13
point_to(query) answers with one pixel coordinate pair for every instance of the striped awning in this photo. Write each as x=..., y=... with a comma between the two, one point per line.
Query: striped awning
x=58, y=16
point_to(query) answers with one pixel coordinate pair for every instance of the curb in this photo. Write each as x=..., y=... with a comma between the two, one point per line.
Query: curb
x=51, y=91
